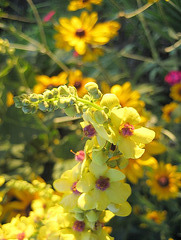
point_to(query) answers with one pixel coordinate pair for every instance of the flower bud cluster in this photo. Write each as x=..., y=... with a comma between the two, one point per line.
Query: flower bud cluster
x=93, y=191
x=5, y=47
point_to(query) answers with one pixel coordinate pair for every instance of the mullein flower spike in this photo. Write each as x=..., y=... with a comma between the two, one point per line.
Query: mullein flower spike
x=93, y=191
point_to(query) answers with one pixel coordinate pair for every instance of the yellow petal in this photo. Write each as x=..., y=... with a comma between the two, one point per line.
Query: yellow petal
x=143, y=135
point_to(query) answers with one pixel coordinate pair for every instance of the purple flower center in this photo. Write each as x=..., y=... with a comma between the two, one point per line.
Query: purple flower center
x=163, y=181
x=74, y=188
x=126, y=130
x=80, y=156
x=89, y=131
x=79, y=226
x=102, y=183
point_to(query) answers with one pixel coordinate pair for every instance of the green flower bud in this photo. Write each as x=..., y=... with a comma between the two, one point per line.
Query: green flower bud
x=92, y=216
x=29, y=109
x=112, y=163
x=34, y=97
x=64, y=91
x=79, y=216
x=63, y=102
x=18, y=102
x=93, y=90
x=43, y=106
x=99, y=157
x=26, y=102
x=55, y=92
x=48, y=94
x=109, y=100
x=100, y=116
x=72, y=110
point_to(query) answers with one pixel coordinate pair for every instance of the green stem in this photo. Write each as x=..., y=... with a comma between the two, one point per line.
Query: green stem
x=148, y=35
x=15, y=18
x=175, y=6
x=89, y=103
x=39, y=22
x=116, y=4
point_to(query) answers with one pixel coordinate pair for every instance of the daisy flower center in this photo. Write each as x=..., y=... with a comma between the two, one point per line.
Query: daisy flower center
x=126, y=129
x=79, y=226
x=77, y=84
x=85, y=1
x=21, y=236
x=102, y=183
x=80, y=32
x=163, y=181
x=74, y=188
x=89, y=131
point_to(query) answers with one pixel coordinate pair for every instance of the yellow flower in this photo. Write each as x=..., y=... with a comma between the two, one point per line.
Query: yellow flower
x=164, y=181
x=79, y=4
x=77, y=80
x=129, y=137
x=9, y=99
x=128, y=97
x=156, y=216
x=175, y=93
x=92, y=54
x=67, y=184
x=45, y=82
x=168, y=110
x=100, y=187
x=78, y=33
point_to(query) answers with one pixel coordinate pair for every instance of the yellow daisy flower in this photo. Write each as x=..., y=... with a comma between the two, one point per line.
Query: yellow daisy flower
x=78, y=33
x=44, y=82
x=164, y=181
x=168, y=110
x=77, y=80
x=128, y=97
x=175, y=93
x=79, y=4
x=156, y=216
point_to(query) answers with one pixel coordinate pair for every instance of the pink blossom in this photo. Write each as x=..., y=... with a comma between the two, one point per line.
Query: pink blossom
x=48, y=17
x=173, y=77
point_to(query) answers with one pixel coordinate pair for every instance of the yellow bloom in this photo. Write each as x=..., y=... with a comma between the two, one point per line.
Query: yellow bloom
x=100, y=187
x=156, y=216
x=129, y=137
x=9, y=99
x=92, y=54
x=175, y=93
x=77, y=80
x=67, y=184
x=79, y=4
x=168, y=110
x=78, y=33
x=128, y=97
x=164, y=181
x=45, y=82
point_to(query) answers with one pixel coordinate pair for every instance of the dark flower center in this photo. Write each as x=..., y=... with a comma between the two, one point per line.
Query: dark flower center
x=85, y=1
x=126, y=130
x=89, y=131
x=74, y=188
x=80, y=32
x=79, y=226
x=163, y=181
x=102, y=183
x=77, y=84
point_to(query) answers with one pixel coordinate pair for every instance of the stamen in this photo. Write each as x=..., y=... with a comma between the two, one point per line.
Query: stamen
x=74, y=188
x=102, y=183
x=89, y=131
x=21, y=236
x=79, y=226
x=126, y=129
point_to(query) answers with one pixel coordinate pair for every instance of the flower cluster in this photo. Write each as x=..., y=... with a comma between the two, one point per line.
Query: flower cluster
x=96, y=182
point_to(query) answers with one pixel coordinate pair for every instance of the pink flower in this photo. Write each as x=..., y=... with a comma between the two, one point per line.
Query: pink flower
x=48, y=17
x=173, y=77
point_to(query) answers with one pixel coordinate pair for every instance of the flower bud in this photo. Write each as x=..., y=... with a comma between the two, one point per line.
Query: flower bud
x=100, y=116
x=63, y=91
x=55, y=92
x=79, y=216
x=34, y=97
x=93, y=90
x=26, y=102
x=109, y=100
x=92, y=216
x=63, y=102
x=71, y=111
x=43, y=106
x=48, y=94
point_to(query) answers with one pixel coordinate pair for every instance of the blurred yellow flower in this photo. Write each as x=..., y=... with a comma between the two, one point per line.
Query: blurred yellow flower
x=77, y=80
x=79, y=4
x=157, y=216
x=45, y=82
x=175, y=93
x=168, y=110
x=127, y=96
x=164, y=181
x=9, y=99
x=78, y=33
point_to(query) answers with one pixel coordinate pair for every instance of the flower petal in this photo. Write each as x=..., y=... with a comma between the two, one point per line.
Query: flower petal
x=143, y=135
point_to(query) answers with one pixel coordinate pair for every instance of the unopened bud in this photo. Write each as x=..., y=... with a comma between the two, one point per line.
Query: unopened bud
x=109, y=100
x=92, y=216
x=34, y=97
x=71, y=111
x=63, y=91
x=93, y=90
x=100, y=116
x=48, y=94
